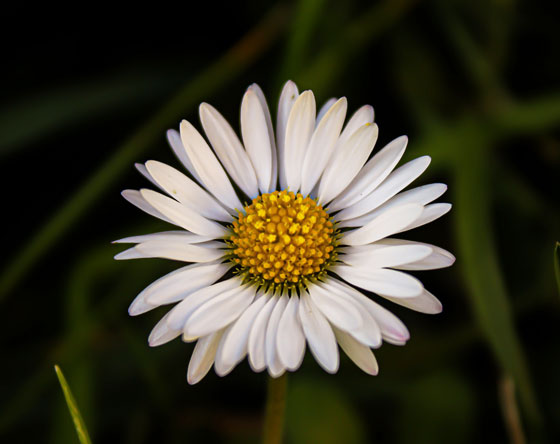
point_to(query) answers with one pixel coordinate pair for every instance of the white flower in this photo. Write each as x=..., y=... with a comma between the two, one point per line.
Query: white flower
x=268, y=277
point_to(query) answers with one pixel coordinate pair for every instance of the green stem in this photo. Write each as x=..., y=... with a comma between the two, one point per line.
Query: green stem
x=275, y=409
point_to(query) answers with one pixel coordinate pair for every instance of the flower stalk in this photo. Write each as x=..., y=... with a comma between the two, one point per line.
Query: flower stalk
x=275, y=410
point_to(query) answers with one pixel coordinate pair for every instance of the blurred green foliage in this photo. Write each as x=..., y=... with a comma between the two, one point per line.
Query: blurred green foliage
x=474, y=84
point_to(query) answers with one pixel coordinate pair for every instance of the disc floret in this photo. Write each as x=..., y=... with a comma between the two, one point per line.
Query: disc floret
x=282, y=238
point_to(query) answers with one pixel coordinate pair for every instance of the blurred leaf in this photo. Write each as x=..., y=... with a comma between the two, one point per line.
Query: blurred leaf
x=306, y=17
x=331, y=62
x=412, y=54
x=81, y=429
x=531, y=116
x=439, y=407
x=49, y=111
x=510, y=411
x=557, y=264
x=318, y=412
x=478, y=258
x=480, y=72
x=218, y=74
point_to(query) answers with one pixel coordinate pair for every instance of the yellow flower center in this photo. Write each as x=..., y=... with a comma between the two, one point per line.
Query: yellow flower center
x=282, y=238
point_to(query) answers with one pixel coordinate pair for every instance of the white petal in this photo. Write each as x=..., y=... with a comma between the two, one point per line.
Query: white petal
x=365, y=257
x=229, y=149
x=350, y=158
x=275, y=366
x=290, y=340
x=372, y=174
x=386, y=224
x=360, y=354
x=361, y=117
x=162, y=334
x=181, y=312
x=219, y=312
x=171, y=287
x=319, y=334
x=321, y=145
x=264, y=105
x=177, y=285
x=338, y=312
x=183, y=216
x=326, y=106
x=381, y=281
x=369, y=332
x=140, y=306
x=392, y=328
x=233, y=346
x=420, y=195
x=203, y=357
x=183, y=236
x=207, y=166
x=424, y=303
x=144, y=171
x=136, y=199
x=396, y=181
x=439, y=258
x=186, y=191
x=185, y=252
x=430, y=213
x=254, y=130
x=299, y=130
x=174, y=250
x=131, y=253
x=174, y=139
x=256, y=344
x=288, y=97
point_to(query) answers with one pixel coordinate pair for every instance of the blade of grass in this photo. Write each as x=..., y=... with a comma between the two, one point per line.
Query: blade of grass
x=49, y=111
x=480, y=71
x=98, y=265
x=79, y=424
x=531, y=116
x=331, y=62
x=510, y=412
x=225, y=69
x=307, y=15
x=479, y=260
x=557, y=265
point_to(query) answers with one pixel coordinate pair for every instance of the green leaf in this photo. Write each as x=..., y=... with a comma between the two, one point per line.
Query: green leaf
x=81, y=429
x=557, y=264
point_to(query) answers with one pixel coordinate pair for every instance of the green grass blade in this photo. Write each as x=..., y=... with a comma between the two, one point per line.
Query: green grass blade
x=50, y=111
x=306, y=18
x=557, y=265
x=329, y=65
x=479, y=259
x=81, y=429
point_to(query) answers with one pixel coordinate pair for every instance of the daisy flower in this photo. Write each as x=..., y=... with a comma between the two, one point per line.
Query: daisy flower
x=282, y=232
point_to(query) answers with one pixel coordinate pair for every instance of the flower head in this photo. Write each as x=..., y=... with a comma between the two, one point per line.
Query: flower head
x=281, y=232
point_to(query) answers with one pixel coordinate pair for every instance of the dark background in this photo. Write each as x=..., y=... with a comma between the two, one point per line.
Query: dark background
x=89, y=91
